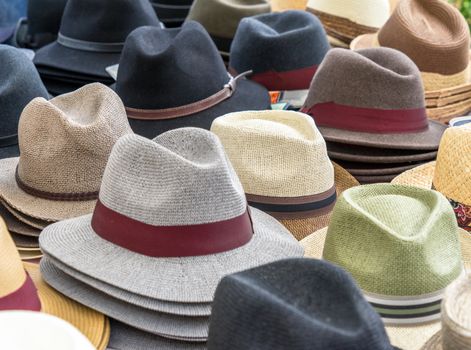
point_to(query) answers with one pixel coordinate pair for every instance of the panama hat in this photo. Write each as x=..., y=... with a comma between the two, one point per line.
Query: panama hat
x=377, y=233
x=456, y=326
x=23, y=288
x=449, y=174
x=19, y=84
x=179, y=185
x=162, y=90
x=344, y=20
x=64, y=144
x=294, y=304
x=221, y=18
x=259, y=40
x=172, y=13
x=372, y=97
x=282, y=162
x=441, y=33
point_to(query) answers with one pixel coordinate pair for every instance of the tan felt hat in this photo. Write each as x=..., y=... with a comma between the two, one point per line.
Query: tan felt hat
x=64, y=145
x=282, y=162
x=22, y=288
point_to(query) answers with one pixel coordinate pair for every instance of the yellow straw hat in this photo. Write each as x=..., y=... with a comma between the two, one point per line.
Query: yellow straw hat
x=22, y=288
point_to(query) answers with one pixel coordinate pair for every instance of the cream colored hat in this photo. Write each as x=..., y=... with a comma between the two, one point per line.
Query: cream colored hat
x=64, y=145
x=282, y=162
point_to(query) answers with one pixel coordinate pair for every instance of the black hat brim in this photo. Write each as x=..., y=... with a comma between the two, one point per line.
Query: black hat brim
x=9, y=152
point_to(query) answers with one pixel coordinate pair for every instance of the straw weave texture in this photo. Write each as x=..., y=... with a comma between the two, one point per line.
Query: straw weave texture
x=28, y=220
x=436, y=81
x=421, y=176
x=17, y=226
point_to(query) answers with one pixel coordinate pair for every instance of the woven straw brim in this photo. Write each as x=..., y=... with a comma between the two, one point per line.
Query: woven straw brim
x=187, y=279
x=35, y=207
x=421, y=176
x=434, y=343
x=92, y=324
x=30, y=255
x=16, y=226
x=301, y=228
x=35, y=223
x=282, y=5
x=25, y=242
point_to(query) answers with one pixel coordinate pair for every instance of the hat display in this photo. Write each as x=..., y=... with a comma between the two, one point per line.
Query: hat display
x=10, y=12
x=172, y=13
x=283, y=5
x=162, y=90
x=221, y=18
x=344, y=20
x=282, y=162
x=260, y=39
x=372, y=98
x=402, y=246
x=294, y=304
x=19, y=83
x=91, y=38
x=179, y=185
x=431, y=28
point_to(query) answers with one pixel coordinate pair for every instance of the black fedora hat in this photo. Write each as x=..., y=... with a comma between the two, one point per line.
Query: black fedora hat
x=92, y=36
x=172, y=13
x=296, y=304
x=261, y=43
x=19, y=84
x=171, y=78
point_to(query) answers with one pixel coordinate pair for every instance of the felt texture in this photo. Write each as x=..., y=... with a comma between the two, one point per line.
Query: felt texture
x=10, y=12
x=172, y=13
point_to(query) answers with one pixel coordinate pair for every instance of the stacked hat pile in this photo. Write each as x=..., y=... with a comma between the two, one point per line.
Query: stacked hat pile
x=172, y=13
x=370, y=107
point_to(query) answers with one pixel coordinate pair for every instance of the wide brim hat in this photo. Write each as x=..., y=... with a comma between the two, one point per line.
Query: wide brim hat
x=18, y=227
x=9, y=151
x=421, y=176
x=27, y=220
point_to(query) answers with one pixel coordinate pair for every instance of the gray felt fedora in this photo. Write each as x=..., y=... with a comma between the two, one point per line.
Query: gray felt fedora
x=171, y=221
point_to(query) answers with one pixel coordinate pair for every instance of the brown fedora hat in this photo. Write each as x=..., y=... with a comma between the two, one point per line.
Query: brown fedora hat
x=372, y=169
x=372, y=97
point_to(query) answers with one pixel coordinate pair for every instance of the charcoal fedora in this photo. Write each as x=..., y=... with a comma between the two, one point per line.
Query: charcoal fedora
x=372, y=97
x=295, y=304
x=221, y=18
x=10, y=12
x=162, y=90
x=283, y=50
x=19, y=84
x=172, y=13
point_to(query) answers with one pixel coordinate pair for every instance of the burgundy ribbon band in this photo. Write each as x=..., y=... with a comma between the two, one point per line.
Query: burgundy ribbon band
x=171, y=241
x=298, y=79
x=24, y=298
x=371, y=120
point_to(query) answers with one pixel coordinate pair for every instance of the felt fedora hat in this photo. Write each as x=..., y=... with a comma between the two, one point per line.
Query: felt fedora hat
x=23, y=288
x=449, y=175
x=344, y=20
x=294, y=304
x=92, y=36
x=441, y=33
x=372, y=97
x=456, y=324
x=10, y=12
x=175, y=207
x=162, y=90
x=172, y=13
x=64, y=146
x=221, y=18
x=260, y=42
x=19, y=84
x=282, y=162
x=377, y=233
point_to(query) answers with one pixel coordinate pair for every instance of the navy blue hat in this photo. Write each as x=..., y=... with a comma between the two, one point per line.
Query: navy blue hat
x=295, y=304
x=19, y=84
x=172, y=13
x=172, y=78
x=10, y=12
x=282, y=49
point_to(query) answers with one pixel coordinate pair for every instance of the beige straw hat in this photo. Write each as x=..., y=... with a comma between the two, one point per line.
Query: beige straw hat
x=64, y=145
x=22, y=288
x=282, y=162
x=456, y=321
x=282, y=5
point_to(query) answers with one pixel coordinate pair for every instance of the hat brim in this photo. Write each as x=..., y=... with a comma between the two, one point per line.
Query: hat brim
x=421, y=176
x=35, y=223
x=9, y=152
x=161, y=324
x=25, y=243
x=372, y=169
x=365, y=41
x=434, y=343
x=93, y=325
x=424, y=140
x=14, y=225
x=36, y=207
x=74, y=243
x=375, y=179
x=247, y=96
x=31, y=256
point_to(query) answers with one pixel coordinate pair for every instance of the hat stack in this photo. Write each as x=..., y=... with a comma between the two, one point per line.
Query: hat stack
x=90, y=39
x=171, y=221
x=172, y=13
x=64, y=145
x=369, y=105
x=426, y=29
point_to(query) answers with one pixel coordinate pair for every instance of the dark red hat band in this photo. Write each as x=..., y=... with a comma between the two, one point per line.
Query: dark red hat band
x=171, y=241
x=372, y=120
x=299, y=79
x=24, y=298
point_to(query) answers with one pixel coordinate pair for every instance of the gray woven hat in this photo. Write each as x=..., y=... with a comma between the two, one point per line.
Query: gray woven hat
x=172, y=220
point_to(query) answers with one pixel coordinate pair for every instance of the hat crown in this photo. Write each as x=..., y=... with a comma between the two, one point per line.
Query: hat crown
x=279, y=305
x=171, y=55
x=429, y=28
x=196, y=183
x=276, y=153
x=108, y=21
x=65, y=142
x=41, y=21
x=413, y=227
